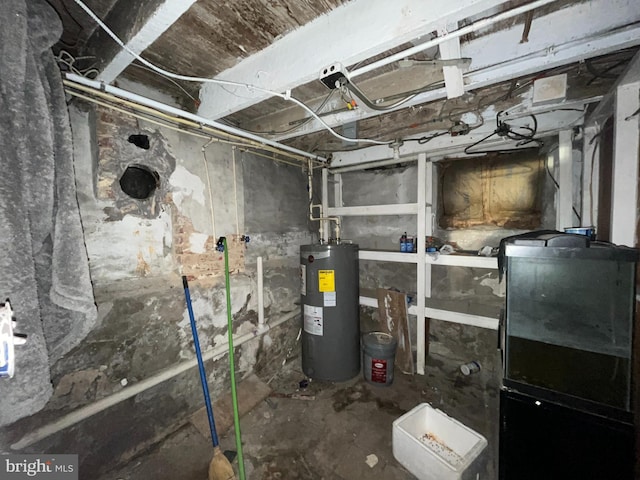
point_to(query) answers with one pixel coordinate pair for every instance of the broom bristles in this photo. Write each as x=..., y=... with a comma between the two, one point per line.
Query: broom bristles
x=220, y=468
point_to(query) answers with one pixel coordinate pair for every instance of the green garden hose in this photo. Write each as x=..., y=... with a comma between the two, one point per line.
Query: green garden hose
x=234, y=394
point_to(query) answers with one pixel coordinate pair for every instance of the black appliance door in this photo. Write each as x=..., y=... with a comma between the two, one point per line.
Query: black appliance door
x=541, y=440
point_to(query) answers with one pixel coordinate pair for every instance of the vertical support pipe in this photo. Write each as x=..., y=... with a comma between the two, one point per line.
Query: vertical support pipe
x=564, y=202
x=235, y=189
x=421, y=266
x=337, y=190
x=428, y=223
x=325, y=198
x=260, y=294
x=323, y=221
x=209, y=189
x=590, y=176
x=310, y=190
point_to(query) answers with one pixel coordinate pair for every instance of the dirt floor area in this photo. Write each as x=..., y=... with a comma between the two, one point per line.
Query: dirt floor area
x=331, y=429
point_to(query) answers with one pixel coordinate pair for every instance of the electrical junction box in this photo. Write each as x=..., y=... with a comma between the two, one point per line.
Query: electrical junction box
x=550, y=89
x=333, y=75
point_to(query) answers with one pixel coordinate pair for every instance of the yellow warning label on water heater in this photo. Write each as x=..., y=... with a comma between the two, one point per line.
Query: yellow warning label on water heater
x=326, y=280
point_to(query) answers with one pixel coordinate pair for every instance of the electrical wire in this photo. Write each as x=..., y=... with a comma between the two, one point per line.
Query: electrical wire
x=68, y=61
x=555, y=182
x=411, y=93
x=373, y=106
x=344, y=96
x=404, y=97
x=482, y=103
x=632, y=115
x=603, y=74
x=299, y=123
x=426, y=138
x=197, y=101
x=421, y=140
x=81, y=27
x=503, y=129
x=553, y=179
x=285, y=96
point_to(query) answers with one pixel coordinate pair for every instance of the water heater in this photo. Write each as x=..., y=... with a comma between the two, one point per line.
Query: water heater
x=330, y=311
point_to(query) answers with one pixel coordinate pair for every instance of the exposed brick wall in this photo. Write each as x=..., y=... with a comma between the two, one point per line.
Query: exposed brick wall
x=115, y=153
x=207, y=265
x=108, y=128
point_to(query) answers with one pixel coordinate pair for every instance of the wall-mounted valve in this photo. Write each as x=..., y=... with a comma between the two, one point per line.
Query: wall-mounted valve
x=220, y=244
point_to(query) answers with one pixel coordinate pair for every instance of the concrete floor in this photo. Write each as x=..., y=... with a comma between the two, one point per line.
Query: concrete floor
x=330, y=437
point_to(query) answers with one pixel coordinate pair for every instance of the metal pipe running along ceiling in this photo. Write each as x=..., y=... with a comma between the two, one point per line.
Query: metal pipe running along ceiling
x=139, y=99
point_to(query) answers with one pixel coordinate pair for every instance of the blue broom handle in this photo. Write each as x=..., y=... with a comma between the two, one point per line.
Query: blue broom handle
x=203, y=377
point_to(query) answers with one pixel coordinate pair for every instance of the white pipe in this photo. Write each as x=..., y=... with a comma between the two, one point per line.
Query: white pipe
x=321, y=218
x=324, y=196
x=377, y=163
x=444, y=315
x=235, y=189
x=260, y=293
x=423, y=270
x=474, y=27
x=210, y=191
x=186, y=115
x=130, y=391
x=311, y=205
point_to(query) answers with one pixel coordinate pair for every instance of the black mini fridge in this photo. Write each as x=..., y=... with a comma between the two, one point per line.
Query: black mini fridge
x=566, y=339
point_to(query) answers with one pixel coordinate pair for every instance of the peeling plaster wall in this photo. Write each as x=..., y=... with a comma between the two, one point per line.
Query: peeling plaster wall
x=137, y=251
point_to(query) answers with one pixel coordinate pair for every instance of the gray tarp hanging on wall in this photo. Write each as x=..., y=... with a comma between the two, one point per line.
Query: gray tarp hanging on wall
x=44, y=269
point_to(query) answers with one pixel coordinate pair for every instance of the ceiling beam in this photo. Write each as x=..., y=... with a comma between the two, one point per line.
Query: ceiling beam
x=450, y=146
x=453, y=80
x=137, y=29
x=565, y=36
x=354, y=32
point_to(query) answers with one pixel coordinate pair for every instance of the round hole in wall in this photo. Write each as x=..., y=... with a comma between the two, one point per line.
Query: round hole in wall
x=139, y=181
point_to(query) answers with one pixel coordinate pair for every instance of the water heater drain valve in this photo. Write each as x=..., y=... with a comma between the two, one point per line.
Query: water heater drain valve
x=8, y=340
